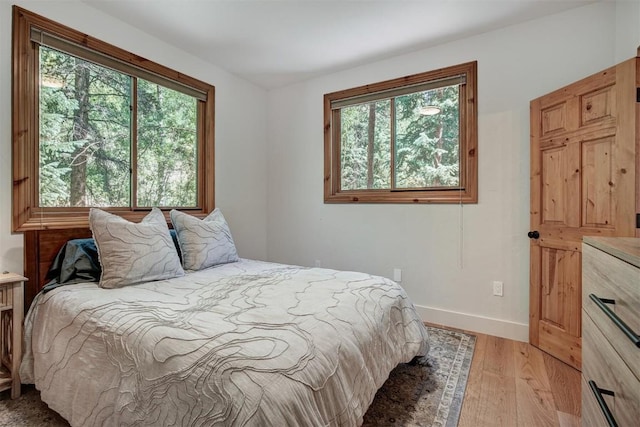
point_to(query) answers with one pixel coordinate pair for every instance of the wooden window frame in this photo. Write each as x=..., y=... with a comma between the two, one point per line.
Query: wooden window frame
x=26, y=214
x=466, y=192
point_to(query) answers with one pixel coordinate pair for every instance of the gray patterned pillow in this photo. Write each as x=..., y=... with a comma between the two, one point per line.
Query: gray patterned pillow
x=203, y=242
x=134, y=252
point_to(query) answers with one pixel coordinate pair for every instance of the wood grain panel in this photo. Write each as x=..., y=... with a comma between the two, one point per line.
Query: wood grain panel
x=588, y=84
x=560, y=175
x=597, y=184
x=554, y=164
x=626, y=159
x=608, y=129
x=596, y=106
x=561, y=290
x=573, y=294
x=552, y=297
x=40, y=248
x=554, y=119
x=557, y=341
x=565, y=245
x=535, y=292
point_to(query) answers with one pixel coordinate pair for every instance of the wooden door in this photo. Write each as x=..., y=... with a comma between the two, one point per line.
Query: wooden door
x=583, y=173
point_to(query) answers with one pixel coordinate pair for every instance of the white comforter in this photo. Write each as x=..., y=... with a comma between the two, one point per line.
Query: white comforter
x=243, y=344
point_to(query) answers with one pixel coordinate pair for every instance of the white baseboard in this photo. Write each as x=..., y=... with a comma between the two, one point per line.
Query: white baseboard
x=471, y=322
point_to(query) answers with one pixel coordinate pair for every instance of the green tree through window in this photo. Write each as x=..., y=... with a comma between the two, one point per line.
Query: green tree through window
x=408, y=140
x=86, y=138
x=427, y=149
x=96, y=126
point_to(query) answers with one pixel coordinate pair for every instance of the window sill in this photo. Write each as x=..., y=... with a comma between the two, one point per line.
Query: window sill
x=67, y=220
x=405, y=197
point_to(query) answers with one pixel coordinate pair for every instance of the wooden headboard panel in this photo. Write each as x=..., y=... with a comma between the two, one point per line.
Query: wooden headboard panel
x=40, y=248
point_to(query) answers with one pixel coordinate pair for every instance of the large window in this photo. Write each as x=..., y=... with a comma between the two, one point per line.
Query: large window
x=408, y=140
x=95, y=126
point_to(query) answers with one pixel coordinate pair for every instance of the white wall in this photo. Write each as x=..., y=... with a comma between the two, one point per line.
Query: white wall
x=448, y=255
x=240, y=125
x=627, y=29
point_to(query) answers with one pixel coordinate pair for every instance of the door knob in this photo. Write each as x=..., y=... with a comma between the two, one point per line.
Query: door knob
x=533, y=234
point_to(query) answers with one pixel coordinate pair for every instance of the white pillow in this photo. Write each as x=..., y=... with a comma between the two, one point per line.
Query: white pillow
x=133, y=252
x=203, y=242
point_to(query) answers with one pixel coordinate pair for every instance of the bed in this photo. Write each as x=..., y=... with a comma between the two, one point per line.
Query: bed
x=244, y=342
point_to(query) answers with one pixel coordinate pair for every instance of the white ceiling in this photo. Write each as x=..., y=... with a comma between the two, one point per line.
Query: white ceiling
x=274, y=43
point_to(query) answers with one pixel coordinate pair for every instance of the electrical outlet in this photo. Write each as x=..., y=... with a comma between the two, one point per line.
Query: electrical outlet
x=397, y=275
x=497, y=288
x=318, y=263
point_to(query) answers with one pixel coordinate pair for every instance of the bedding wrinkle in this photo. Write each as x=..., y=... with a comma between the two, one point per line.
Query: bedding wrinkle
x=247, y=343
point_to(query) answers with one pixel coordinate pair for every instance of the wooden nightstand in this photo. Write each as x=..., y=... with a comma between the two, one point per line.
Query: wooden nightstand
x=11, y=316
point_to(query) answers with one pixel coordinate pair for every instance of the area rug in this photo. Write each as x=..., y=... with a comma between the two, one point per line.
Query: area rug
x=429, y=392
x=426, y=393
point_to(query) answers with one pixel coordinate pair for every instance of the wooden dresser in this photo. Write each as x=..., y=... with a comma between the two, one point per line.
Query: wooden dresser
x=610, y=327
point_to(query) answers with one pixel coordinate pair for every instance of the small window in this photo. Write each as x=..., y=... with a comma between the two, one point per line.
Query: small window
x=408, y=140
x=96, y=126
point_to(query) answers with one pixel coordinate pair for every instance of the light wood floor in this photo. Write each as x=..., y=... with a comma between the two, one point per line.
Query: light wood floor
x=512, y=383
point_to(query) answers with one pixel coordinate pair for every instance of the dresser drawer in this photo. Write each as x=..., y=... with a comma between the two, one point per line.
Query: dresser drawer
x=602, y=364
x=590, y=413
x=608, y=277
